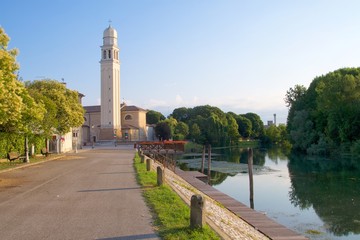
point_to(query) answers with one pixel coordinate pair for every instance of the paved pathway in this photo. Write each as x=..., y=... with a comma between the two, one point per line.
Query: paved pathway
x=89, y=195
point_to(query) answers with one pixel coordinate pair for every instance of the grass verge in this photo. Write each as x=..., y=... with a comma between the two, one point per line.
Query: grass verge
x=16, y=163
x=172, y=215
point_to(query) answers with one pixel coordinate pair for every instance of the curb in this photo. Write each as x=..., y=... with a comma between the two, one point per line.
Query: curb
x=32, y=164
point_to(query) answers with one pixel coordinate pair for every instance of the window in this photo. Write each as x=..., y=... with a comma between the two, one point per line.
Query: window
x=104, y=54
x=128, y=117
x=110, y=54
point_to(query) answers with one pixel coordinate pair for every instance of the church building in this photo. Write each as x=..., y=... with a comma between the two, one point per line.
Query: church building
x=112, y=120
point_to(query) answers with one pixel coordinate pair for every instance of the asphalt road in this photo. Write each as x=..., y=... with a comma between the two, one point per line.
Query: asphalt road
x=89, y=195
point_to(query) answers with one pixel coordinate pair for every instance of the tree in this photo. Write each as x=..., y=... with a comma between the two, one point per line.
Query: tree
x=163, y=131
x=181, y=131
x=181, y=114
x=18, y=110
x=294, y=94
x=232, y=128
x=153, y=117
x=63, y=109
x=257, y=124
x=244, y=126
x=195, y=132
x=327, y=114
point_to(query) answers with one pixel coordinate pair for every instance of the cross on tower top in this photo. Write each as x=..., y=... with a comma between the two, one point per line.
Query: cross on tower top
x=110, y=22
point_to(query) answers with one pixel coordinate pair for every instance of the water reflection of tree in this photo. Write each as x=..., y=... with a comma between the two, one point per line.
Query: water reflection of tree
x=258, y=157
x=218, y=177
x=331, y=187
x=236, y=155
x=277, y=153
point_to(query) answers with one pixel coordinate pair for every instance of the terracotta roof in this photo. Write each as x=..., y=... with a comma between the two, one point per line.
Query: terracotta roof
x=133, y=108
x=89, y=109
x=126, y=108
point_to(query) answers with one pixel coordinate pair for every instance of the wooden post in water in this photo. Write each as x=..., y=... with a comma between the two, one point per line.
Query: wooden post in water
x=203, y=159
x=209, y=164
x=251, y=177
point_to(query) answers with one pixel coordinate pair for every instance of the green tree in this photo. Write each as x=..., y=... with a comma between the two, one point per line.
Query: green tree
x=326, y=115
x=257, y=125
x=244, y=126
x=153, y=117
x=294, y=94
x=181, y=131
x=232, y=128
x=195, y=132
x=181, y=114
x=63, y=108
x=163, y=131
x=18, y=110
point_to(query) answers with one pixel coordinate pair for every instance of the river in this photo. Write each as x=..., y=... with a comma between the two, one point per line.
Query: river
x=317, y=197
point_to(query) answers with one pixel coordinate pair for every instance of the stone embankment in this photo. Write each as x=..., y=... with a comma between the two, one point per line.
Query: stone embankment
x=230, y=218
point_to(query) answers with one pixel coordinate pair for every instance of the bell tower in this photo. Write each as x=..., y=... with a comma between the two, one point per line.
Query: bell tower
x=110, y=124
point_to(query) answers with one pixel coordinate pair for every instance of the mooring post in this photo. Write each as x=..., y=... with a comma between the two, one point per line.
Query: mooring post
x=197, y=214
x=160, y=176
x=148, y=164
x=209, y=164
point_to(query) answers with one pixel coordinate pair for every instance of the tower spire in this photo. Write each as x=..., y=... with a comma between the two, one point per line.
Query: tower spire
x=110, y=86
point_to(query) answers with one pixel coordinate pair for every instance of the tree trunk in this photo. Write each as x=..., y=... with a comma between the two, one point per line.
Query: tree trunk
x=27, y=149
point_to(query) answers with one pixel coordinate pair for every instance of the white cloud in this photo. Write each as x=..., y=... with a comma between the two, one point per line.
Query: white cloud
x=156, y=103
x=179, y=100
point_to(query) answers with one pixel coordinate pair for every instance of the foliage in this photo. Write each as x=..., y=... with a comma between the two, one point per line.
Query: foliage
x=63, y=109
x=244, y=126
x=163, y=131
x=154, y=117
x=232, y=128
x=20, y=115
x=277, y=135
x=325, y=116
x=172, y=214
x=210, y=125
x=181, y=131
x=18, y=111
x=257, y=125
x=181, y=114
x=294, y=94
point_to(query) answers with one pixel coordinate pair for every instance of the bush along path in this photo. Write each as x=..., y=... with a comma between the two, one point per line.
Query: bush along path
x=171, y=214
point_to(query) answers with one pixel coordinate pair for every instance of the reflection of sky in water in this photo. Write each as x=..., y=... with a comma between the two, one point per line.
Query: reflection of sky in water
x=271, y=196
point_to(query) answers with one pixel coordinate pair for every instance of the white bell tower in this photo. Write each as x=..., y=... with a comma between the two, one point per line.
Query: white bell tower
x=110, y=86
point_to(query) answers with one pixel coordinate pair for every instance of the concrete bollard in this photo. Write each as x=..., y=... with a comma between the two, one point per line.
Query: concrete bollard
x=142, y=157
x=160, y=176
x=197, y=214
x=148, y=164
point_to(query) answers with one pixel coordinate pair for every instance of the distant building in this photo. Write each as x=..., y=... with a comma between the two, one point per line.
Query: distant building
x=112, y=120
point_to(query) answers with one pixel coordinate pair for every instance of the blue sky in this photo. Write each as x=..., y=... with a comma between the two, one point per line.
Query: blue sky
x=241, y=56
